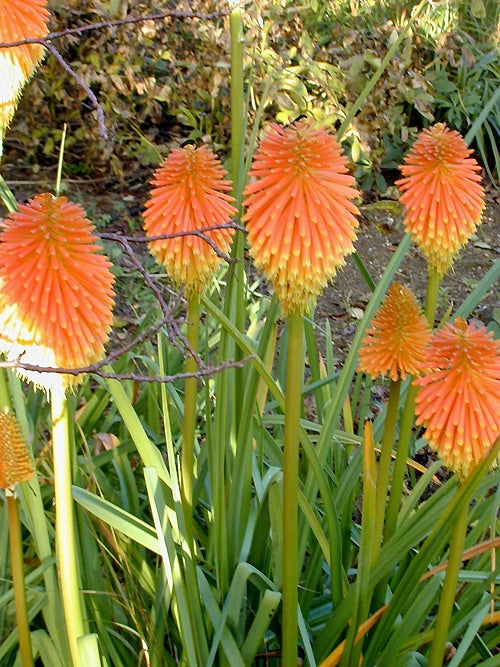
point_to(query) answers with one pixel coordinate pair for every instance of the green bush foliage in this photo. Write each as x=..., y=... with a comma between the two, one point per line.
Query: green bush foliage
x=153, y=85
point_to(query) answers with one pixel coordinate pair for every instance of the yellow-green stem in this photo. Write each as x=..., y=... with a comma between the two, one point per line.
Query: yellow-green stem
x=4, y=390
x=407, y=420
x=65, y=523
x=16, y=557
x=189, y=425
x=383, y=477
x=432, y=295
x=31, y=499
x=236, y=275
x=237, y=99
x=398, y=475
x=385, y=461
x=293, y=402
x=449, y=589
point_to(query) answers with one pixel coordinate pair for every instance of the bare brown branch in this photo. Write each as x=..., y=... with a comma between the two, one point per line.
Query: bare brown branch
x=96, y=369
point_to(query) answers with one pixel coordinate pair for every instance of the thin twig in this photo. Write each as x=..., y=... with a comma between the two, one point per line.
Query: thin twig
x=114, y=23
x=174, y=331
x=95, y=369
x=200, y=233
x=90, y=93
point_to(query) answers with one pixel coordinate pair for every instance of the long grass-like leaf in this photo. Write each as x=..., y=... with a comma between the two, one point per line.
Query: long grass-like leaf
x=118, y=518
x=191, y=637
x=149, y=454
x=482, y=288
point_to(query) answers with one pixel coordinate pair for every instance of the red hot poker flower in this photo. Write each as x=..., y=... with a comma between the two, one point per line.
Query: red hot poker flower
x=190, y=194
x=56, y=295
x=442, y=194
x=19, y=19
x=395, y=344
x=458, y=400
x=300, y=214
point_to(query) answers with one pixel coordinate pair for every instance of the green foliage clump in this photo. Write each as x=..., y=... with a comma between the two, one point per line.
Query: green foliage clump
x=153, y=85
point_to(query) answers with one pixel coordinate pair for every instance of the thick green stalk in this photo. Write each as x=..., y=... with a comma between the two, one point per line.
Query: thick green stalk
x=235, y=298
x=16, y=557
x=4, y=391
x=363, y=588
x=293, y=402
x=385, y=461
x=65, y=523
x=189, y=424
x=383, y=477
x=406, y=429
x=237, y=100
x=402, y=450
x=449, y=589
x=30, y=497
x=398, y=476
x=432, y=296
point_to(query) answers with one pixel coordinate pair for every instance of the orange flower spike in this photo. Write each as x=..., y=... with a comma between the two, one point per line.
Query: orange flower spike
x=15, y=462
x=19, y=19
x=442, y=194
x=300, y=216
x=458, y=400
x=395, y=344
x=190, y=194
x=56, y=295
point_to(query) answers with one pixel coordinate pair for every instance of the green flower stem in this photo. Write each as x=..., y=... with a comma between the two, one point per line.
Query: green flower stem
x=432, y=296
x=402, y=450
x=293, y=399
x=4, y=391
x=383, y=477
x=408, y=417
x=188, y=430
x=235, y=299
x=65, y=523
x=16, y=556
x=36, y=520
x=385, y=460
x=398, y=476
x=449, y=589
x=237, y=100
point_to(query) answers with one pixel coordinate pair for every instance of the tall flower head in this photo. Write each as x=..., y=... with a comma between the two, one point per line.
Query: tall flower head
x=458, y=400
x=300, y=216
x=190, y=194
x=15, y=462
x=56, y=295
x=19, y=19
x=442, y=194
x=395, y=344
